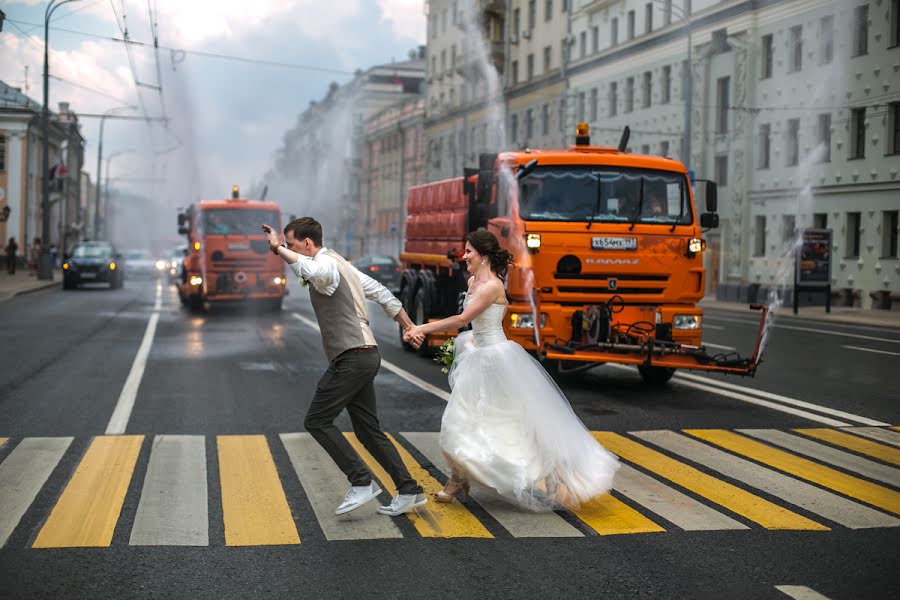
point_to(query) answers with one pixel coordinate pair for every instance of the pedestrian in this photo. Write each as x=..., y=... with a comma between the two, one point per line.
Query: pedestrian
x=34, y=257
x=11, y=249
x=338, y=293
x=53, y=252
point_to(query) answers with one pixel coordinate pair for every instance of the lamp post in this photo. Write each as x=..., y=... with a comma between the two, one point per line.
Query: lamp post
x=685, y=13
x=99, y=163
x=106, y=184
x=45, y=269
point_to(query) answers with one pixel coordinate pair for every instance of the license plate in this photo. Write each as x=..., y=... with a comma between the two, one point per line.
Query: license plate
x=88, y=275
x=614, y=243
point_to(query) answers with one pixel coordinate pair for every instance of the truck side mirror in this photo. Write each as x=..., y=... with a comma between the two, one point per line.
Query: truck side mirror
x=467, y=186
x=712, y=198
x=709, y=220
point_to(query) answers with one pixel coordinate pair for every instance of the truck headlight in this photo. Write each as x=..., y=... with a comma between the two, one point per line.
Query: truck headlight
x=196, y=280
x=696, y=245
x=160, y=265
x=525, y=320
x=687, y=322
x=533, y=241
x=278, y=281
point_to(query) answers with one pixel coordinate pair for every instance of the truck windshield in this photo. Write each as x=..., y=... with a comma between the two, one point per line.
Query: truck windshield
x=605, y=195
x=235, y=221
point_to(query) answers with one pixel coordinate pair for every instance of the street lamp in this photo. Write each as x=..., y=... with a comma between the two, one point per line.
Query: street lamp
x=106, y=185
x=99, y=159
x=685, y=13
x=45, y=268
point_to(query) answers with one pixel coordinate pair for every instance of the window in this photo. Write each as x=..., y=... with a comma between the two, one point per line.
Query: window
x=788, y=227
x=514, y=127
x=826, y=39
x=664, y=148
x=825, y=136
x=666, y=91
x=630, y=24
x=722, y=104
x=721, y=170
x=454, y=12
x=796, y=48
x=861, y=30
x=593, y=106
x=548, y=10
x=613, y=98
x=515, y=72
x=434, y=65
x=759, y=239
x=765, y=145
x=648, y=17
x=517, y=22
x=820, y=221
x=765, y=66
x=530, y=67
x=580, y=112
x=582, y=44
x=2, y=153
x=614, y=31
x=889, y=234
x=894, y=128
x=595, y=39
x=545, y=120
x=853, y=235
x=629, y=94
x=858, y=133
x=532, y=13
x=793, y=142
x=443, y=61
x=529, y=124
x=647, y=88
x=453, y=57
x=667, y=12
x=548, y=50
x=895, y=24
x=444, y=21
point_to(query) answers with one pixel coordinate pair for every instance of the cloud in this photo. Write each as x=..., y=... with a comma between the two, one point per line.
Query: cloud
x=407, y=18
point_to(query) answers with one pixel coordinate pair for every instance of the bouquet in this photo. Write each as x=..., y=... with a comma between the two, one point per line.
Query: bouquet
x=445, y=355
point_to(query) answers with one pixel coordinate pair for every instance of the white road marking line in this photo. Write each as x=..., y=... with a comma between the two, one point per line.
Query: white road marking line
x=173, y=507
x=719, y=346
x=325, y=486
x=885, y=436
x=833, y=456
x=751, y=400
x=519, y=523
x=714, y=327
x=800, y=592
x=23, y=474
x=122, y=413
x=779, y=398
x=812, y=330
x=799, y=493
x=861, y=349
x=403, y=373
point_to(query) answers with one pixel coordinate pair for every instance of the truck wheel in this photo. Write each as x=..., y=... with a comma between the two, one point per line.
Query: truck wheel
x=273, y=305
x=195, y=303
x=419, y=316
x=656, y=376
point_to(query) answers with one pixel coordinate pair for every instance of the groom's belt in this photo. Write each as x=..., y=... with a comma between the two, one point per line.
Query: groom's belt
x=363, y=349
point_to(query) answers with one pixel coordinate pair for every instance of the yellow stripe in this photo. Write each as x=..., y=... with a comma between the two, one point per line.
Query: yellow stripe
x=805, y=469
x=754, y=508
x=857, y=444
x=88, y=509
x=254, y=507
x=897, y=427
x=3, y=441
x=435, y=519
x=608, y=515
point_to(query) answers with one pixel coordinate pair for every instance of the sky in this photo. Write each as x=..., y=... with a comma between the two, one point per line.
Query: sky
x=226, y=117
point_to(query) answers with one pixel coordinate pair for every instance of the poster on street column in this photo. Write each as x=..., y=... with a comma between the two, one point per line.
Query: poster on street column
x=814, y=258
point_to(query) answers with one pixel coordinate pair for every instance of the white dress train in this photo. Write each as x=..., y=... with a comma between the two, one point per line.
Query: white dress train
x=510, y=428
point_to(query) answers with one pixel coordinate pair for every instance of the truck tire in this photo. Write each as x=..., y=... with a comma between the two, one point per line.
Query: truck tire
x=419, y=316
x=195, y=303
x=656, y=376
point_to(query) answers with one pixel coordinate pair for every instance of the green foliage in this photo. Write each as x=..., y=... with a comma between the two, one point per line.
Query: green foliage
x=444, y=355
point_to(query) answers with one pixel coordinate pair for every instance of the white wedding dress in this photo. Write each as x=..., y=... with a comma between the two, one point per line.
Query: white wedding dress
x=508, y=426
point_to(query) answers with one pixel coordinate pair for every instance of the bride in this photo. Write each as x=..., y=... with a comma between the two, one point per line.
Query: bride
x=507, y=425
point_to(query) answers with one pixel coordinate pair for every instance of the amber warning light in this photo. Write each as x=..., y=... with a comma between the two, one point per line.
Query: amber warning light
x=235, y=191
x=582, y=135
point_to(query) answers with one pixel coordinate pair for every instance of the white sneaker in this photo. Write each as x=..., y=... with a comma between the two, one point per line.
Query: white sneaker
x=403, y=503
x=356, y=496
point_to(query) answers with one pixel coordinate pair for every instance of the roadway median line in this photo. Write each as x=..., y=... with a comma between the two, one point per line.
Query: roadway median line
x=861, y=349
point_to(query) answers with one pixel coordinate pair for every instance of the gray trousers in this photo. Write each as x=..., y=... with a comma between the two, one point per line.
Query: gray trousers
x=349, y=383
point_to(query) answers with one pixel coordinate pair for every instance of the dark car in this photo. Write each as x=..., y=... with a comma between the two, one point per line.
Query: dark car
x=93, y=262
x=383, y=269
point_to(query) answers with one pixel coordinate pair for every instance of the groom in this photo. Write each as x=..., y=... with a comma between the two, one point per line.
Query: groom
x=338, y=293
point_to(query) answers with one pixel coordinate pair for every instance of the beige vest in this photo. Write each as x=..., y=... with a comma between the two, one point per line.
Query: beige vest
x=343, y=316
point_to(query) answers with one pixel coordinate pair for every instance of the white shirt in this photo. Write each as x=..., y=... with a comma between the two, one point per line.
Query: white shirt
x=321, y=271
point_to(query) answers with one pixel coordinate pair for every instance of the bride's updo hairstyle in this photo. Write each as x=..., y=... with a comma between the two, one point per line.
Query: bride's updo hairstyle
x=486, y=244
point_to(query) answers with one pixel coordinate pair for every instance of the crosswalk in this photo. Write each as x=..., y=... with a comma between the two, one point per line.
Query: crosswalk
x=243, y=488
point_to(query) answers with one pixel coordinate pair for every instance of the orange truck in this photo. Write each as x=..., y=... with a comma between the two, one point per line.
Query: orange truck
x=608, y=250
x=228, y=256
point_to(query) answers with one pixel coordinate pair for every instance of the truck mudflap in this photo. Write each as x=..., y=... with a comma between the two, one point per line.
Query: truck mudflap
x=649, y=352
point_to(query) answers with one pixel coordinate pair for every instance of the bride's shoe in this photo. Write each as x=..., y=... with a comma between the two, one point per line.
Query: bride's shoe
x=454, y=487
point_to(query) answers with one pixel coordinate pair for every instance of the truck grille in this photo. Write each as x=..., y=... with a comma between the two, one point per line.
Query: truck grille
x=622, y=291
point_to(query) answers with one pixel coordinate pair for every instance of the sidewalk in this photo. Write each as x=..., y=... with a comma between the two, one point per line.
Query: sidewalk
x=839, y=314
x=23, y=283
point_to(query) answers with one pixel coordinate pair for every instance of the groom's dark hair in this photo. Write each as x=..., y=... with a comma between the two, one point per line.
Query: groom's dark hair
x=305, y=227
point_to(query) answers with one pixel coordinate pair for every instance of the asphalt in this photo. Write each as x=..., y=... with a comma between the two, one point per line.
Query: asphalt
x=67, y=354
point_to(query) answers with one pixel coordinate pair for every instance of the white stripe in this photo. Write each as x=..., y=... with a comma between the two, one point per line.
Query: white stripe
x=827, y=454
x=752, y=400
x=871, y=350
x=119, y=420
x=779, y=398
x=720, y=347
x=173, y=506
x=157, y=305
x=714, y=327
x=809, y=497
x=885, y=436
x=670, y=504
x=22, y=475
x=325, y=486
x=811, y=330
x=800, y=592
x=519, y=523
x=416, y=381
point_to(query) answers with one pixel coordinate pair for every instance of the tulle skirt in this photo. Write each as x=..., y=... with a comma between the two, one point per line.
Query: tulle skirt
x=509, y=427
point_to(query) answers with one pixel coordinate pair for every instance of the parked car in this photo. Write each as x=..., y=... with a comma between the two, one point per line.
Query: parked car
x=175, y=262
x=141, y=263
x=383, y=269
x=93, y=262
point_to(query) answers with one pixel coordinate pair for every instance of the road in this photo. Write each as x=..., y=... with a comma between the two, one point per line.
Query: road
x=151, y=453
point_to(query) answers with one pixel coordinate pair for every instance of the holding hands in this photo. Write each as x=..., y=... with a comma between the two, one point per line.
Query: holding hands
x=414, y=336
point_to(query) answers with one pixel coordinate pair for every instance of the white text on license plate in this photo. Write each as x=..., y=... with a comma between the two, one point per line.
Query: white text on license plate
x=614, y=243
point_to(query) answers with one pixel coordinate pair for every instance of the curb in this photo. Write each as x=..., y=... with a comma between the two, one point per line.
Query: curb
x=29, y=290
x=844, y=319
